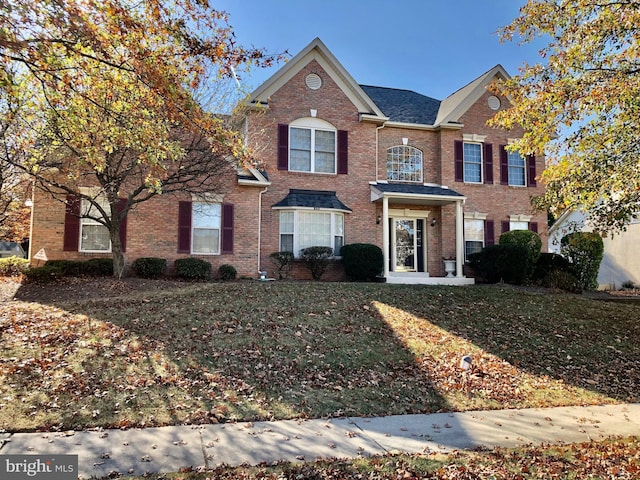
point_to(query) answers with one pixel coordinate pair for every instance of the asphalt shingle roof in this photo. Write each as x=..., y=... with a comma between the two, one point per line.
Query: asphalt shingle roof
x=416, y=189
x=404, y=106
x=312, y=199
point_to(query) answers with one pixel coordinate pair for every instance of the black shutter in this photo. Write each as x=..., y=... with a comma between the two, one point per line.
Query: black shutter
x=531, y=174
x=504, y=165
x=227, y=228
x=343, y=152
x=458, y=151
x=488, y=163
x=283, y=147
x=184, y=227
x=71, y=238
x=489, y=233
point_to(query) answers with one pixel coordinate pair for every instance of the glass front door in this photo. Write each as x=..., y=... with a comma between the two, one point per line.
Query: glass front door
x=404, y=233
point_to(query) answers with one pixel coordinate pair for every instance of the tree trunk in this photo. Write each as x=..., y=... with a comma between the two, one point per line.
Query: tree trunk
x=116, y=245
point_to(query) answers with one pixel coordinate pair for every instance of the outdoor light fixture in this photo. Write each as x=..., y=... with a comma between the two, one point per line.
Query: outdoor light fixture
x=465, y=363
x=378, y=219
x=433, y=222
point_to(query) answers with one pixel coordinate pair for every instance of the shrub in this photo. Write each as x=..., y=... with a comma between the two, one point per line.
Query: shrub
x=95, y=267
x=149, y=267
x=628, y=285
x=283, y=261
x=227, y=272
x=44, y=274
x=13, y=266
x=563, y=280
x=316, y=260
x=192, y=268
x=532, y=244
x=502, y=262
x=548, y=263
x=584, y=250
x=362, y=261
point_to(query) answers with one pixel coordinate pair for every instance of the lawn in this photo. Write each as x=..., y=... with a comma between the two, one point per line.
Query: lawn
x=119, y=356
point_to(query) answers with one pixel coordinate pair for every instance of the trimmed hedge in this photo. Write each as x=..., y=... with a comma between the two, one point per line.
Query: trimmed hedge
x=193, y=268
x=584, y=250
x=94, y=267
x=501, y=262
x=363, y=262
x=532, y=244
x=227, y=272
x=13, y=266
x=149, y=267
x=316, y=259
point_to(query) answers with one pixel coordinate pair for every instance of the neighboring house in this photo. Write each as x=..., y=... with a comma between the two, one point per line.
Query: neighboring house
x=11, y=249
x=620, y=261
x=344, y=163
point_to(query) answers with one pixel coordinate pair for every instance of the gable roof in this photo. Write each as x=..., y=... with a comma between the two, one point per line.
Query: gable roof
x=404, y=106
x=318, y=51
x=456, y=104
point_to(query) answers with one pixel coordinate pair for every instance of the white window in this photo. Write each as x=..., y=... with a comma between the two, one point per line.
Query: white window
x=473, y=236
x=312, y=146
x=472, y=157
x=94, y=236
x=301, y=229
x=518, y=225
x=517, y=170
x=404, y=164
x=205, y=228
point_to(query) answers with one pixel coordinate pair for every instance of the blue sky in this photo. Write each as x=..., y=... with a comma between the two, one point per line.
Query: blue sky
x=432, y=47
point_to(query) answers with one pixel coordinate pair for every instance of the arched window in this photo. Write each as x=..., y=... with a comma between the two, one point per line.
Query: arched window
x=404, y=164
x=312, y=146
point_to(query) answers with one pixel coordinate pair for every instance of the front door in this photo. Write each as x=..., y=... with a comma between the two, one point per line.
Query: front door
x=404, y=241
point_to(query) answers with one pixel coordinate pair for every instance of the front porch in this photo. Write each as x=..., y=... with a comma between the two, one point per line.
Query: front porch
x=419, y=278
x=408, y=233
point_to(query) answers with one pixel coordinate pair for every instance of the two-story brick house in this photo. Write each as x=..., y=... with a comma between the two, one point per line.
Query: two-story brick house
x=344, y=163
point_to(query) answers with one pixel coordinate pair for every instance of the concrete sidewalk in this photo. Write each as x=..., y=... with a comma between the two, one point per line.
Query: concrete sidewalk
x=168, y=449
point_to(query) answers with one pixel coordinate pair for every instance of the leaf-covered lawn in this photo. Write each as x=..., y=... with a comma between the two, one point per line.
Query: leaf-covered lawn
x=250, y=350
x=612, y=458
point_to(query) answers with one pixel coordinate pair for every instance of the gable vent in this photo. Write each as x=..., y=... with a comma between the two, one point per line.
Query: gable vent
x=313, y=81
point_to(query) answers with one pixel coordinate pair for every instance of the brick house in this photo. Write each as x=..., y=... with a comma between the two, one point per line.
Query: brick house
x=344, y=163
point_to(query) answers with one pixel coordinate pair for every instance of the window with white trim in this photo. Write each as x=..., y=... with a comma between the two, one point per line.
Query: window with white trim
x=94, y=236
x=404, y=164
x=518, y=225
x=205, y=228
x=312, y=146
x=301, y=228
x=517, y=169
x=472, y=161
x=473, y=236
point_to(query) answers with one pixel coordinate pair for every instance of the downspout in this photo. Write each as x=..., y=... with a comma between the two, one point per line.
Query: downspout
x=377, y=146
x=260, y=227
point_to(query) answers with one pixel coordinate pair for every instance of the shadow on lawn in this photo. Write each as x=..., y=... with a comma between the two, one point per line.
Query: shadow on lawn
x=246, y=350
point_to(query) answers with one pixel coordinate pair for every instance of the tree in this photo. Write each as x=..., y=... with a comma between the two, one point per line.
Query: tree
x=104, y=94
x=582, y=106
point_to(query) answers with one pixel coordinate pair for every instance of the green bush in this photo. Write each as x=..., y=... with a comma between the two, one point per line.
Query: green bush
x=95, y=267
x=149, y=267
x=548, y=263
x=227, y=272
x=316, y=259
x=502, y=262
x=563, y=280
x=584, y=250
x=193, y=268
x=362, y=261
x=44, y=274
x=532, y=244
x=13, y=266
x=283, y=261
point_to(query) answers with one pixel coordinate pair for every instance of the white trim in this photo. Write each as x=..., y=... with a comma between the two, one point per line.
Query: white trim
x=520, y=218
x=296, y=222
x=475, y=216
x=473, y=138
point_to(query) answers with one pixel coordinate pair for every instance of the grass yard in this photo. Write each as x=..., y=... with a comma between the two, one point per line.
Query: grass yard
x=215, y=352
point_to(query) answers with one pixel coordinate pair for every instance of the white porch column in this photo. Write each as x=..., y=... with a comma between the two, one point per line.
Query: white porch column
x=385, y=235
x=459, y=238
